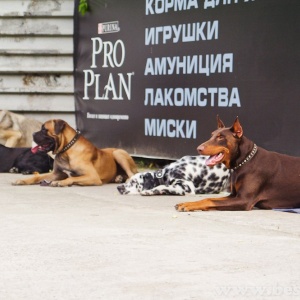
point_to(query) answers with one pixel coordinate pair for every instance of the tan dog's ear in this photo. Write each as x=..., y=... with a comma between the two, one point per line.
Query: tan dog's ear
x=59, y=126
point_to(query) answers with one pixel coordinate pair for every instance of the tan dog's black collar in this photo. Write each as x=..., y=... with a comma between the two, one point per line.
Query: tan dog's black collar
x=72, y=142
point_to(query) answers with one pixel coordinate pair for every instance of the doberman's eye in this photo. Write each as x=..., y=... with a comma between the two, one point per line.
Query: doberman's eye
x=220, y=137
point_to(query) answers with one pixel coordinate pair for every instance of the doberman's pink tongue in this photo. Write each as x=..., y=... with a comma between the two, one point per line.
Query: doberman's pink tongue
x=214, y=159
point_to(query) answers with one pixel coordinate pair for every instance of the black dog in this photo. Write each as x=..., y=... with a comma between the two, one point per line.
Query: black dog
x=22, y=160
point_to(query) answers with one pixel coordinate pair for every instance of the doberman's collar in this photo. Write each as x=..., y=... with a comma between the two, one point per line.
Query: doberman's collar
x=71, y=143
x=249, y=157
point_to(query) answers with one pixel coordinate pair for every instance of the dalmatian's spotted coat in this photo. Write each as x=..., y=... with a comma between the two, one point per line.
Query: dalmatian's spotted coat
x=188, y=175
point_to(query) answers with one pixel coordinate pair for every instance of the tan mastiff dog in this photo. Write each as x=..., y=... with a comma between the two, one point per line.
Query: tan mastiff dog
x=77, y=160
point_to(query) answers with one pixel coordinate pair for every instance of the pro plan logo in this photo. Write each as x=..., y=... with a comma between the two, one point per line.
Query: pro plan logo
x=108, y=27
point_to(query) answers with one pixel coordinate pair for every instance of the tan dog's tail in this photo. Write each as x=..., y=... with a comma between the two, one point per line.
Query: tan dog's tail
x=125, y=161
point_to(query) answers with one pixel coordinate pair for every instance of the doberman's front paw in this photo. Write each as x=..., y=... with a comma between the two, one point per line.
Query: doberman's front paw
x=186, y=206
x=18, y=182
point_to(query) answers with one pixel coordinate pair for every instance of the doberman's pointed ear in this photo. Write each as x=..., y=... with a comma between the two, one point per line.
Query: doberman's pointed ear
x=237, y=128
x=59, y=126
x=220, y=123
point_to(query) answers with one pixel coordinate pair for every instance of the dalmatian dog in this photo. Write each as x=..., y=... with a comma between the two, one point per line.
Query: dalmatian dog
x=186, y=176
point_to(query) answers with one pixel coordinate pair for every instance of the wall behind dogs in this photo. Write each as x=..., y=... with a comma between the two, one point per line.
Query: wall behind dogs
x=36, y=58
x=151, y=75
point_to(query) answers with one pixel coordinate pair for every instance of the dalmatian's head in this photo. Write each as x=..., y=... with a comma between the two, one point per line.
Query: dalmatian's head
x=133, y=186
x=140, y=182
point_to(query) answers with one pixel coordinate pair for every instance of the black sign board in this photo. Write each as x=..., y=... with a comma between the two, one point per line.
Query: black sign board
x=151, y=75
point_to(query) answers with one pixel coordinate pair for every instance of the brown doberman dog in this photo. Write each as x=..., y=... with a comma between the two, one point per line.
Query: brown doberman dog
x=260, y=178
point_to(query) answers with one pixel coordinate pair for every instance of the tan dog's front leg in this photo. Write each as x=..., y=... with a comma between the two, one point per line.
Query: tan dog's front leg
x=84, y=180
x=36, y=179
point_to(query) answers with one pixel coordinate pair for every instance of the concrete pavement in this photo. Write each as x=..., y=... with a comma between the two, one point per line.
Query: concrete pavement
x=92, y=243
